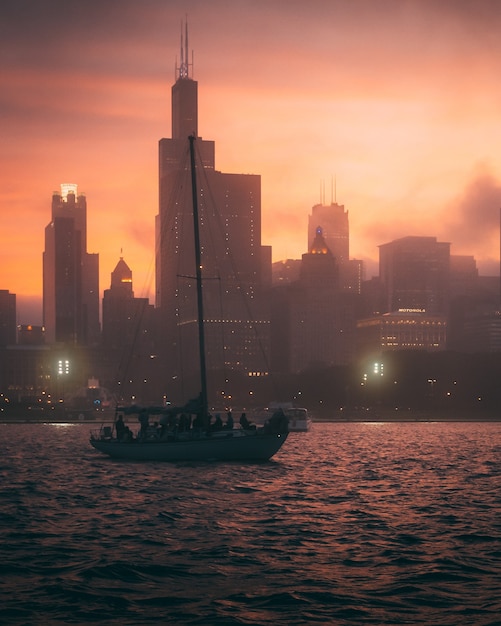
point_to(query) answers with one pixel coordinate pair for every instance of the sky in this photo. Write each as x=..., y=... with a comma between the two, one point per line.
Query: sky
x=397, y=101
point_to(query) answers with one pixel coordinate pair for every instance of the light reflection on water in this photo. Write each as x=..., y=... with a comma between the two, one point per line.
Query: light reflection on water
x=349, y=524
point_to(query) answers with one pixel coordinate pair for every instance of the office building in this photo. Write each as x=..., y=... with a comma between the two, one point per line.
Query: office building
x=401, y=330
x=7, y=318
x=128, y=339
x=333, y=220
x=126, y=319
x=415, y=275
x=236, y=267
x=314, y=319
x=70, y=273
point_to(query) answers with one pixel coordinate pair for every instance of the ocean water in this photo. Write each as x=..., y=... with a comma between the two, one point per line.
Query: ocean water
x=348, y=524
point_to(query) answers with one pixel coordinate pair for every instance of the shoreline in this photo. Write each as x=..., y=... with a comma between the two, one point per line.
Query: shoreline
x=390, y=417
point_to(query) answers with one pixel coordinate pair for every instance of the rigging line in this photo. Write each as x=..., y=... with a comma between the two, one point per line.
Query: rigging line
x=223, y=341
x=135, y=349
x=129, y=348
x=179, y=190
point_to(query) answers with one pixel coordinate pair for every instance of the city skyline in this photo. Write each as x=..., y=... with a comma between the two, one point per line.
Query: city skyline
x=397, y=103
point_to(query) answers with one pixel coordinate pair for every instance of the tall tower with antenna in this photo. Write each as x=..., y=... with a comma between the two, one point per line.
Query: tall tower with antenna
x=333, y=219
x=184, y=94
x=233, y=258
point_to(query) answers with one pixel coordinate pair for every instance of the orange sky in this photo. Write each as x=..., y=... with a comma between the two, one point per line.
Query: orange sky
x=400, y=100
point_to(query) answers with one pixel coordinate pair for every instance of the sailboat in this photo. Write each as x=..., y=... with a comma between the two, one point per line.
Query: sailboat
x=180, y=439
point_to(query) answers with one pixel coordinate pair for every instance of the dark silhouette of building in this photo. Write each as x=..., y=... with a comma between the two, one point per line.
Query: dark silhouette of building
x=415, y=274
x=410, y=301
x=118, y=312
x=285, y=272
x=236, y=267
x=315, y=318
x=128, y=338
x=29, y=335
x=7, y=318
x=70, y=273
x=333, y=219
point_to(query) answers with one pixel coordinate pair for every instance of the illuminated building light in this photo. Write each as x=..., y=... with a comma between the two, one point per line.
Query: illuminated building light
x=67, y=188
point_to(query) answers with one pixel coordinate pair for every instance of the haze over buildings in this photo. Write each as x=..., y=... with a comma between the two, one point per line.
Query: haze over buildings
x=316, y=313
x=397, y=100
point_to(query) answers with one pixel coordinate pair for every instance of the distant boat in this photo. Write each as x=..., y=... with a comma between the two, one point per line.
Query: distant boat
x=185, y=433
x=298, y=418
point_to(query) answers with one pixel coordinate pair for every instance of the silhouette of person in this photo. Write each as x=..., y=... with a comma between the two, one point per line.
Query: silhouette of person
x=120, y=427
x=144, y=421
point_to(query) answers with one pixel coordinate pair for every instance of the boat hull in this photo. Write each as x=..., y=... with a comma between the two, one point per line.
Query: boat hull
x=253, y=447
x=300, y=426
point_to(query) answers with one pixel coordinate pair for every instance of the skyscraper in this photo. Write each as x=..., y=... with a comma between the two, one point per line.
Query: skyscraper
x=7, y=318
x=333, y=220
x=415, y=273
x=232, y=255
x=70, y=273
x=128, y=338
x=321, y=316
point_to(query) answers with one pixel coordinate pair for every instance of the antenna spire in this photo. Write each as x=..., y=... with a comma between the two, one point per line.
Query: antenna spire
x=183, y=71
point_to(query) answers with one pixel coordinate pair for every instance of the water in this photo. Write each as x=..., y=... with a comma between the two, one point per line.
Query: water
x=349, y=524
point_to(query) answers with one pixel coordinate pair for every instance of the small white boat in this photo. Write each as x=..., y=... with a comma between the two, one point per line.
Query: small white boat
x=299, y=419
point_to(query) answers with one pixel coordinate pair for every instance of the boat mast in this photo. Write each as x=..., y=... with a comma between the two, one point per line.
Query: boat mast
x=198, y=276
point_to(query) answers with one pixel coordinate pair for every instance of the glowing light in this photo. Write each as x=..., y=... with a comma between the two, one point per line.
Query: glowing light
x=67, y=188
x=63, y=367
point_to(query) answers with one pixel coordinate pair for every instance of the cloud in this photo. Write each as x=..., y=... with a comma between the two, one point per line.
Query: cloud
x=472, y=221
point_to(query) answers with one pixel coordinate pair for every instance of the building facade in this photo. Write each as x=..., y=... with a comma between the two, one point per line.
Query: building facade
x=7, y=318
x=401, y=330
x=314, y=318
x=235, y=264
x=70, y=273
x=415, y=274
x=128, y=341
x=334, y=222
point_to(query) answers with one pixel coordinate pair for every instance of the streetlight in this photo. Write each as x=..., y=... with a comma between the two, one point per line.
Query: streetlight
x=63, y=371
x=432, y=382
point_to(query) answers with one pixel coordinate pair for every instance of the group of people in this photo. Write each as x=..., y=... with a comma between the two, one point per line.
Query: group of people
x=218, y=423
x=170, y=423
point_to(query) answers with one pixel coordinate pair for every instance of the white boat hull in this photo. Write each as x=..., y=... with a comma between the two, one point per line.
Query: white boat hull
x=230, y=447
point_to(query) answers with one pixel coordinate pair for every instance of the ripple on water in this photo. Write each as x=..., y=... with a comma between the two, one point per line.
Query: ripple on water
x=350, y=524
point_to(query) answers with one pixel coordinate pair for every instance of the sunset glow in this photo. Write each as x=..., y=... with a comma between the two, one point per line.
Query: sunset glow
x=397, y=100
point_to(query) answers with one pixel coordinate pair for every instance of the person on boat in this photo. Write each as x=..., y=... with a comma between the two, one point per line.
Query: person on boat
x=229, y=421
x=198, y=423
x=120, y=427
x=278, y=422
x=164, y=423
x=144, y=421
x=218, y=423
x=245, y=424
x=184, y=423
